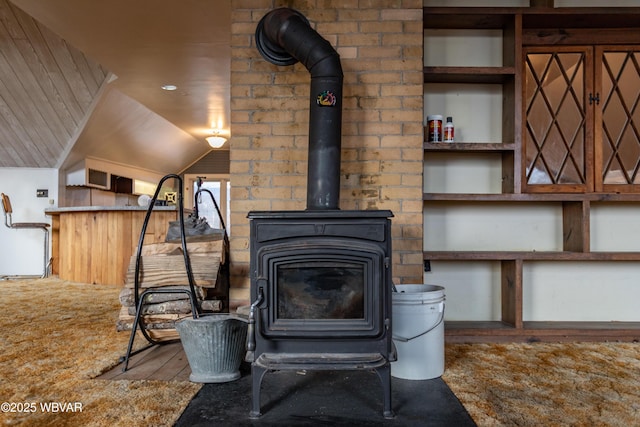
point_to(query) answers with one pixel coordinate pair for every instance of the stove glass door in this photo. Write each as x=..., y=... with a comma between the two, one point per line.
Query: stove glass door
x=327, y=289
x=320, y=290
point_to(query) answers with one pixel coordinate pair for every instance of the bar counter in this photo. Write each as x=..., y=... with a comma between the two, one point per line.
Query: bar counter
x=94, y=244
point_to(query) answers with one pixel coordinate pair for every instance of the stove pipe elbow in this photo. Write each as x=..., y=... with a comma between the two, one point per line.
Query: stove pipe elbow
x=284, y=37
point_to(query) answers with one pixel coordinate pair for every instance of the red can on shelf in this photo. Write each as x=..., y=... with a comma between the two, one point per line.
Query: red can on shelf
x=434, y=124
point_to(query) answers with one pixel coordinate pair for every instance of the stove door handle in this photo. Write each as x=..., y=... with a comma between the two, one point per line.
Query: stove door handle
x=251, y=328
x=261, y=283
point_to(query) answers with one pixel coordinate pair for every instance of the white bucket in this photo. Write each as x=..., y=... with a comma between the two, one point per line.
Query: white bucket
x=418, y=331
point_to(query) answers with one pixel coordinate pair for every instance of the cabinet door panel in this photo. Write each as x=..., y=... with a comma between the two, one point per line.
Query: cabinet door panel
x=618, y=153
x=557, y=156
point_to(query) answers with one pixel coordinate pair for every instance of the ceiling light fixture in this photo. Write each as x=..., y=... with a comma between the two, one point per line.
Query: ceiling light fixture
x=216, y=141
x=169, y=87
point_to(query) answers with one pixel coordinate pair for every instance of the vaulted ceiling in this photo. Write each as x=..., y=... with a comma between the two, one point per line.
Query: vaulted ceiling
x=83, y=78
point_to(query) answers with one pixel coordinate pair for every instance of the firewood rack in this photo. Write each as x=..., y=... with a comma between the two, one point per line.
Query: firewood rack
x=140, y=298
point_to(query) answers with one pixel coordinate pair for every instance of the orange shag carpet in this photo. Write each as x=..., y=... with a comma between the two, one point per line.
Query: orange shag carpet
x=57, y=336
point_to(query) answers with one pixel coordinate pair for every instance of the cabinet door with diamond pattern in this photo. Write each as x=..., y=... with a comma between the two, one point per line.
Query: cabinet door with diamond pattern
x=617, y=151
x=582, y=119
x=558, y=112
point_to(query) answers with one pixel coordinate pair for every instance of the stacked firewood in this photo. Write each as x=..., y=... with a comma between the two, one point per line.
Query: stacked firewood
x=162, y=264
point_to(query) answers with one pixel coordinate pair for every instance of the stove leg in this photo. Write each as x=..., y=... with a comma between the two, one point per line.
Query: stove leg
x=384, y=373
x=257, y=374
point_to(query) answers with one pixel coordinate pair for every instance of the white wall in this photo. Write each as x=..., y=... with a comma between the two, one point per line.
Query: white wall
x=22, y=251
x=476, y=108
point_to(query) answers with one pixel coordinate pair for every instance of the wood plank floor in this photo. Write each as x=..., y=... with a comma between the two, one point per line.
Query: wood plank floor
x=166, y=362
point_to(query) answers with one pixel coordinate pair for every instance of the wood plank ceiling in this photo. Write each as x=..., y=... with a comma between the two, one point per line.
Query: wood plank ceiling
x=82, y=79
x=46, y=89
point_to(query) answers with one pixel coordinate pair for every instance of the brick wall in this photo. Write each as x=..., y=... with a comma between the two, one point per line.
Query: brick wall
x=380, y=43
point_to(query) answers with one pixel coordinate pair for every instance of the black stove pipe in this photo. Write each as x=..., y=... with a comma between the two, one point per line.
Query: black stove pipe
x=284, y=37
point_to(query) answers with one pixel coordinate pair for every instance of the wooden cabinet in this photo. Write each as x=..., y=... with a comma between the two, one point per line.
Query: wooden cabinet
x=580, y=132
x=557, y=217
x=94, y=244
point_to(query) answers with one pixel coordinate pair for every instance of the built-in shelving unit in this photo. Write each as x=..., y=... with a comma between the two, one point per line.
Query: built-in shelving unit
x=521, y=27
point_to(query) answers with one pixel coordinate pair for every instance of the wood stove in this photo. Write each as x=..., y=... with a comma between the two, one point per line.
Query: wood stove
x=320, y=278
x=321, y=292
